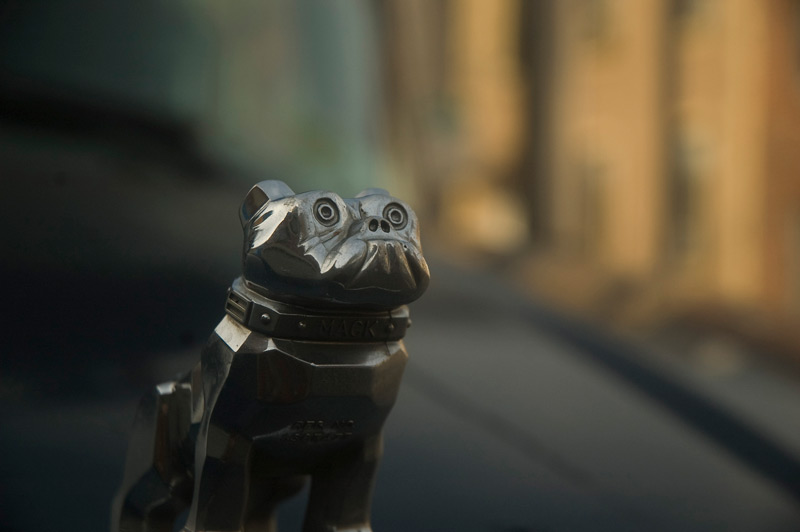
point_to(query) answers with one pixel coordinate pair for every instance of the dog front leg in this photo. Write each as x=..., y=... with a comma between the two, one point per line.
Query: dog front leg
x=157, y=483
x=341, y=491
x=221, y=486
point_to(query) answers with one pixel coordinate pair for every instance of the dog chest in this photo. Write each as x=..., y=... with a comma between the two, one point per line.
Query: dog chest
x=308, y=394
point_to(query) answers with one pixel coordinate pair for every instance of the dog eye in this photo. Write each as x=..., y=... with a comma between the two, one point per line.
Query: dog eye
x=326, y=211
x=396, y=215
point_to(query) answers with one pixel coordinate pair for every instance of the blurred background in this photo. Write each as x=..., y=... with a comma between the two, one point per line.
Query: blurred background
x=609, y=192
x=634, y=160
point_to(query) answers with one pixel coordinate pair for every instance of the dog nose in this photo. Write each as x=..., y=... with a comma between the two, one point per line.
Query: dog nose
x=376, y=223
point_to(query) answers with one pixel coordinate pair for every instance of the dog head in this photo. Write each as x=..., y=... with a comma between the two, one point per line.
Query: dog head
x=318, y=249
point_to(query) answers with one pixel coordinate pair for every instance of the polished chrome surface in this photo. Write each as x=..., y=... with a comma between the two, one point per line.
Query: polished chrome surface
x=297, y=379
x=319, y=249
x=280, y=320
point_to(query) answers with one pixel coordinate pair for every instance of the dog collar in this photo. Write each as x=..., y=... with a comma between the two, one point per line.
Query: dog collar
x=280, y=320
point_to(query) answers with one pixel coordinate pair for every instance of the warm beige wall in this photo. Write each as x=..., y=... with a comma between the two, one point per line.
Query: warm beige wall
x=697, y=110
x=485, y=85
x=607, y=99
x=781, y=231
x=740, y=187
x=485, y=80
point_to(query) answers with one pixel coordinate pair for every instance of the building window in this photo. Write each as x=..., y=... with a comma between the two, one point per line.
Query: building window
x=796, y=35
x=594, y=18
x=591, y=206
x=685, y=196
x=792, y=274
x=689, y=10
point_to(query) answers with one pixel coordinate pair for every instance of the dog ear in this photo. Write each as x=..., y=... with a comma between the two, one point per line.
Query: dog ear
x=260, y=194
x=372, y=192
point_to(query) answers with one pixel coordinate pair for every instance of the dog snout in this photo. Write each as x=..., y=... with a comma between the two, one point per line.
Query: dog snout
x=376, y=224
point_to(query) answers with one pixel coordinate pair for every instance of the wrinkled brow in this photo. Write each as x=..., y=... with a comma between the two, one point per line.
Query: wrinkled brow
x=370, y=205
x=354, y=206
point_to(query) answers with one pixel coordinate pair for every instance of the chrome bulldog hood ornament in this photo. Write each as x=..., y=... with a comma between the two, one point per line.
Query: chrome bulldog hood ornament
x=319, y=249
x=297, y=379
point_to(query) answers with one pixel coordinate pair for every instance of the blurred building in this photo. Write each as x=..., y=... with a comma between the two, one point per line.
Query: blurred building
x=642, y=155
x=672, y=132
x=634, y=158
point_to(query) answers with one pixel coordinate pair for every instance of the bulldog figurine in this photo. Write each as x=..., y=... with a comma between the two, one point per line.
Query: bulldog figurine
x=297, y=379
